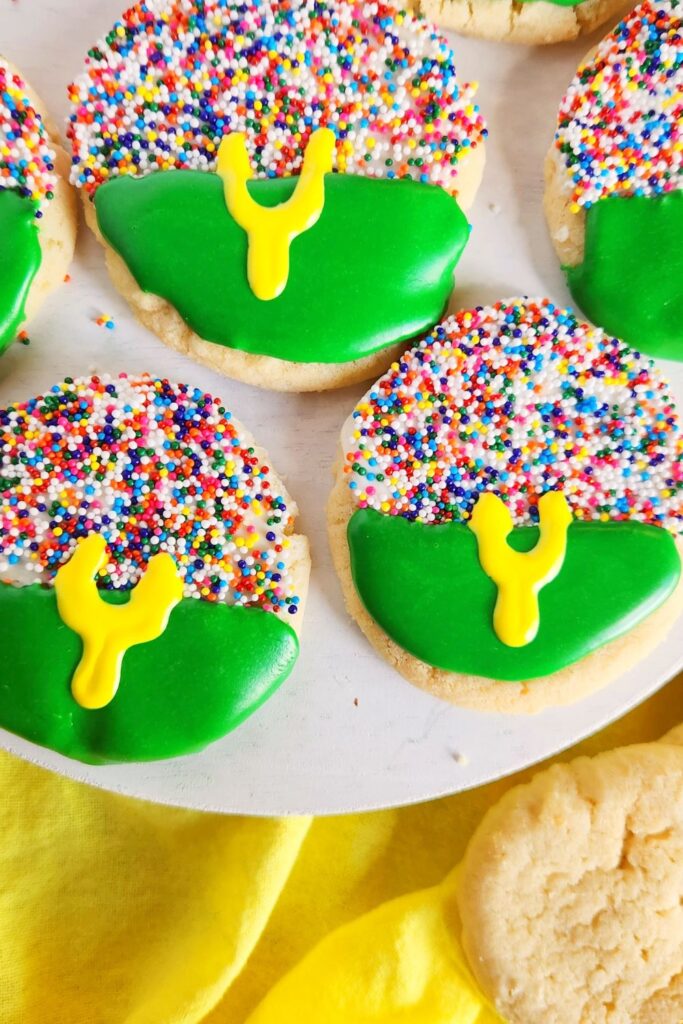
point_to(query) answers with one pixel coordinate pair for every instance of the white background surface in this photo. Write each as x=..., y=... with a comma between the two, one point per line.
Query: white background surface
x=344, y=732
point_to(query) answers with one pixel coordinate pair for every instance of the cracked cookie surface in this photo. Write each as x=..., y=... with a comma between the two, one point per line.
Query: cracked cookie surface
x=571, y=894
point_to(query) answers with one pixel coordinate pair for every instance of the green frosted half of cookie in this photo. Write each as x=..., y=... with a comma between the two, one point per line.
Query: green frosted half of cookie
x=19, y=261
x=424, y=586
x=631, y=280
x=375, y=269
x=211, y=668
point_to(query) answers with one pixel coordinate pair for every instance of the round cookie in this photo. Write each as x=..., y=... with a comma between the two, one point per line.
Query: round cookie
x=532, y=22
x=571, y=893
x=38, y=214
x=151, y=584
x=614, y=181
x=252, y=106
x=502, y=416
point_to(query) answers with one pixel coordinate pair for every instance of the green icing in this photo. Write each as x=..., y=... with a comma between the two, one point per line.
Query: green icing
x=631, y=278
x=559, y=3
x=375, y=269
x=19, y=261
x=210, y=669
x=424, y=586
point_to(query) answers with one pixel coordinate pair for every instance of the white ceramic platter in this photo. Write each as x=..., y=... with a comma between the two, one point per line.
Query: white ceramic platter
x=344, y=732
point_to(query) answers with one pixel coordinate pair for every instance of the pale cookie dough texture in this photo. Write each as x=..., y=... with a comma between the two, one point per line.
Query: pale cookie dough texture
x=381, y=131
x=399, y=430
x=58, y=224
x=534, y=22
x=571, y=893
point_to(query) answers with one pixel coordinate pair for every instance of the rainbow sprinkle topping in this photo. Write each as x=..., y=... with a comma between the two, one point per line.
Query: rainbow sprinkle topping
x=619, y=127
x=153, y=467
x=519, y=398
x=27, y=163
x=174, y=76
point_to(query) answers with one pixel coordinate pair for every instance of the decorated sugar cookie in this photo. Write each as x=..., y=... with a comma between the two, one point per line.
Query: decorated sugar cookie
x=507, y=515
x=151, y=587
x=37, y=208
x=523, y=21
x=614, y=181
x=279, y=186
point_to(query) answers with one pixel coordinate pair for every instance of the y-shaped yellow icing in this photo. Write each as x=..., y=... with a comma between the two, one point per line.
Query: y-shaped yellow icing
x=271, y=230
x=107, y=631
x=518, y=575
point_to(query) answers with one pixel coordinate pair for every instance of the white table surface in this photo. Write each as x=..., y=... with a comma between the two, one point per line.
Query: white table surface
x=345, y=732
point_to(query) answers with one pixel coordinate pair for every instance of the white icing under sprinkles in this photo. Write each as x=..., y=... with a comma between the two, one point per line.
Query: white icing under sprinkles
x=174, y=76
x=519, y=398
x=620, y=125
x=27, y=161
x=151, y=466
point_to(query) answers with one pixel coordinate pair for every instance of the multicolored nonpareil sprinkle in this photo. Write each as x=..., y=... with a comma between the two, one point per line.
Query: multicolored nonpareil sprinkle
x=173, y=77
x=27, y=163
x=153, y=467
x=519, y=398
x=620, y=127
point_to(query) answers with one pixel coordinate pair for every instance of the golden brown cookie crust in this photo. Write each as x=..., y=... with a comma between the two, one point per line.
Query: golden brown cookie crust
x=564, y=687
x=160, y=317
x=571, y=893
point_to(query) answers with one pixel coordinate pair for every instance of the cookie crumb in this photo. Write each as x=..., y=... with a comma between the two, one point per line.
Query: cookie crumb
x=355, y=702
x=494, y=208
x=460, y=758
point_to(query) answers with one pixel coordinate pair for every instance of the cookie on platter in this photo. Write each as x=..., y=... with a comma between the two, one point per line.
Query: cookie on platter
x=614, y=181
x=534, y=22
x=204, y=139
x=508, y=508
x=38, y=213
x=151, y=585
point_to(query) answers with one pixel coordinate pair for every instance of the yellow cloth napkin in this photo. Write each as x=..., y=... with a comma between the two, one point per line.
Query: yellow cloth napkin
x=113, y=911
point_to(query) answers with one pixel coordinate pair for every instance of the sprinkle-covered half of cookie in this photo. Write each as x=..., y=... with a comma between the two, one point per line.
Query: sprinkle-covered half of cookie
x=27, y=161
x=152, y=467
x=520, y=398
x=173, y=77
x=620, y=123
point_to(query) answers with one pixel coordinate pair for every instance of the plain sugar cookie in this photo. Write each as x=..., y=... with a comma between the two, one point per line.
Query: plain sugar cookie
x=38, y=214
x=252, y=256
x=151, y=583
x=571, y=893
x=533, y=22
x=614, y=181
x=508, y=508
